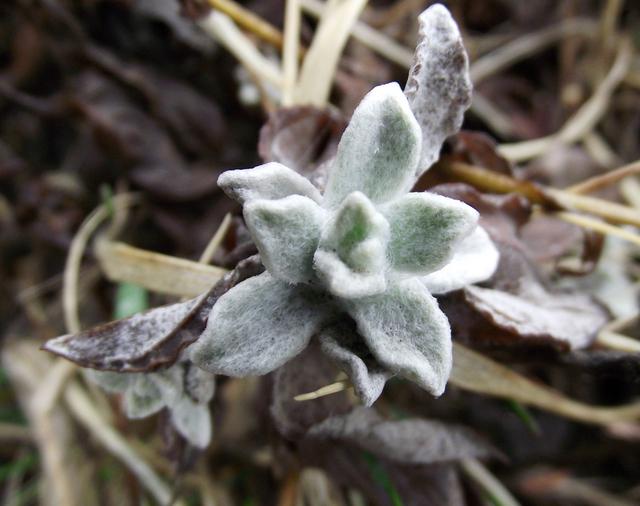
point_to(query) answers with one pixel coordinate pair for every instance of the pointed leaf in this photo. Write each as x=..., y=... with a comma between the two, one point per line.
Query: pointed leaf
x=409, y=441
x=408, y=334
x=438, y=87
x=192, y=421
x=143, y=398
x=112, y=382
x=426, y=229
x=351, y=256
x=286, y=232
x=149, y=340
x=270, y=181
x=474, y=260
x=343, y=345
x=258, y=326
x=379, y=150
x=199, y=385
x=169, y=382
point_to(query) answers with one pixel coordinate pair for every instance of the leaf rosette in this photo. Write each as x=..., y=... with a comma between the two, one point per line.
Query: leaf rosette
x=355, y=267
x=183, y=389
x=358, y=265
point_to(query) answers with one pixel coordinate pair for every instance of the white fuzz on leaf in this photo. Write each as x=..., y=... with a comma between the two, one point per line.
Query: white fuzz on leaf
x=407, y=333
x=438, y=88
x=425, y=231
x=286, y=232
x=365, y=251
x=475, y=260
x=259, y=325
x=351, y=255
x=355, y=267
x=183, y=389
x=270, y=181
x=379, y=150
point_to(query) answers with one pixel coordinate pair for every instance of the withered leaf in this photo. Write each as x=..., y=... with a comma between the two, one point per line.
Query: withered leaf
x=170, y=12
x=408, y=441
x=478, y=148
x=150, y=340
x=438, y=87
x=566, y=320
x=307, y=372
x=119, y=126
x=303, y=139
x=426, y=485
x=519, y=306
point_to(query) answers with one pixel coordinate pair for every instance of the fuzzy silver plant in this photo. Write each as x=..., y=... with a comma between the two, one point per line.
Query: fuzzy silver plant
x=183, y=389
x=357, y=265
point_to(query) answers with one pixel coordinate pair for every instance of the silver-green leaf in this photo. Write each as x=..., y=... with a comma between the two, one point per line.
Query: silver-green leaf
x=425, y=231
x=407, y=333
x=286, y=232
x=259, y=325
x=378, y=153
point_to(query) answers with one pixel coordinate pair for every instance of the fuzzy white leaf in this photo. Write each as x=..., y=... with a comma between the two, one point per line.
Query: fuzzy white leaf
x=269, y=181
x=169, y=383
x=143, y=398
x=378, y=153
x=407, y=333
x=192, y=421
x=438, y=87
x=351, y=256
x=199, y=385
x=426, y=229
x=124, y=344
x=475, y=260
x=259, y=325
x=286, y=232
x=343, y=345
x=112, y=382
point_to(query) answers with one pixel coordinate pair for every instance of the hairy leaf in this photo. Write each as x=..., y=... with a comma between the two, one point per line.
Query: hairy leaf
x=379, y=150
x=149, y=340
x=474, y=260
x=259, y=325
x=438, y=87
x=143, y=398
x=343, y=345
x=407, y=333
x=286, y=232
x=192, y=420
x=426, y=230
x=351, y=257
x=270, y=181
x=394, y=462
x=409, y=441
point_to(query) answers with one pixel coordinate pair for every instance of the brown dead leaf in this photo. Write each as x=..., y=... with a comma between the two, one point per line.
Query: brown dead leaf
x=150, y=340
x=407, y=441
x=519, y=306
x=302, y=138
x=305, y=373
x=478, y=148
